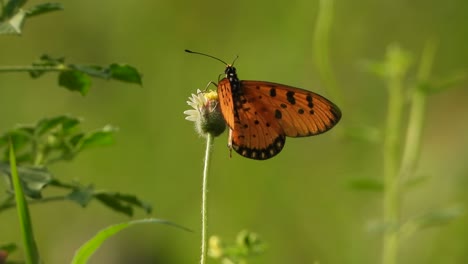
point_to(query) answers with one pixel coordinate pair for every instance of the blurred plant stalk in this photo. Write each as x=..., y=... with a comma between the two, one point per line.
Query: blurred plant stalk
x=397, y=167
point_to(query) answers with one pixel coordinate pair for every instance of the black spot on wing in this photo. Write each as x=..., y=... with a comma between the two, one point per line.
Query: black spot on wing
x=290, y=97
x=278, y=114
x=262, y=154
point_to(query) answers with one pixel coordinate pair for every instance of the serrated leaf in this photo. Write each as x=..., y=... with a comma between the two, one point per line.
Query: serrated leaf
x=114, y=203
x=75, y=81
x=92, y=70
x=19, y=136
x=82, y=195
x=14, y=24
x=122, y=202
x=69, y=124
x=124, y=72
x=133, y=200
x=46, y=124
x=367, y=185
x=43, y=8
x=33, y=179
x=103, y=137
x=83, y=254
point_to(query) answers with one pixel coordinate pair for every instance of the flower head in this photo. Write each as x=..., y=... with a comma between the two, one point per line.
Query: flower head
x=206, y=113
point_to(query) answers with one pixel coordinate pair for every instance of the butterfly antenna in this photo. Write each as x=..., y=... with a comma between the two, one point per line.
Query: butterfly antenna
x=203, y=54
x=234, y=60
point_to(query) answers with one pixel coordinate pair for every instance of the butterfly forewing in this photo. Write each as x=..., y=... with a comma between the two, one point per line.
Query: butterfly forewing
x=298, y=112
x=226, y=101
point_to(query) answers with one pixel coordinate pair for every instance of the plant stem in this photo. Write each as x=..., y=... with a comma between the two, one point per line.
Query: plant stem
x=321, y=49
x=417, y=111
x=32, y=68
x=209, y=144
x=394, y=171
x=391, y=204
x=391, y=179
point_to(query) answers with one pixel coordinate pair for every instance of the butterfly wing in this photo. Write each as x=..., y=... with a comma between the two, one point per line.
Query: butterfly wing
x=226, y=101
x=298, y=112
x=251, y=135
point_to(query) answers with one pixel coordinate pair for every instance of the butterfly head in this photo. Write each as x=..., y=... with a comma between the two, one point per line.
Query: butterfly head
x=230, y=71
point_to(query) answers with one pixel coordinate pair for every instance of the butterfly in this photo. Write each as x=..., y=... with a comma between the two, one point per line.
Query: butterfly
x=262, y=114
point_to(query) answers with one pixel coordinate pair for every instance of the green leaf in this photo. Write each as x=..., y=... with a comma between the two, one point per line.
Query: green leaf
x=133, y=200
x=124, y=72
x=29, y=243
x=33, y=179
x=10, y=248
x=451, y=81
x=43, y=8
x=12, y=7
x=122, y=202
x=92, y=70
x=431, y=219
x=82, y=195
x=67, y=123
x=440, y=217
x=115, y=204
x=83, y=254
x=75, y=81
x=247, y=244
x=103, y=137
x=367, y=185
x=14, y=24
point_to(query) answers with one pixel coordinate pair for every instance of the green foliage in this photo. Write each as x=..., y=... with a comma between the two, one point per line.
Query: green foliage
x=29, y=242
x=247, y=245
x=401, y=155
x=83, y=254
x=365, y=184
x=77, y=77
x=57, y=139
x=13, y=15
x=54, y=139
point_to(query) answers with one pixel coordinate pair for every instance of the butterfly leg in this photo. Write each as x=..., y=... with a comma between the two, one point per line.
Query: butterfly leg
x=208, y=85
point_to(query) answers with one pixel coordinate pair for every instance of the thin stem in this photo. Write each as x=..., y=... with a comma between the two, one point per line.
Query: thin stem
x=321, y=49
x=416, y=116
x=394, y=169
x=391, y=164
x=209, y=144
x=396, y=66
x=32, y=68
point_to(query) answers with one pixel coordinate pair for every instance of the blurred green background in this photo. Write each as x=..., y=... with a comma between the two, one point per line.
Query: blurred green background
x=299, y=202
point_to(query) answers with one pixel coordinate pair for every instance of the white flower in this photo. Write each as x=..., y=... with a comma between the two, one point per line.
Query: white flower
x=206, y=113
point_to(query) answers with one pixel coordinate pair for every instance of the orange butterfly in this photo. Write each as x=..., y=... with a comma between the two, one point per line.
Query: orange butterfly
x=261, y=114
